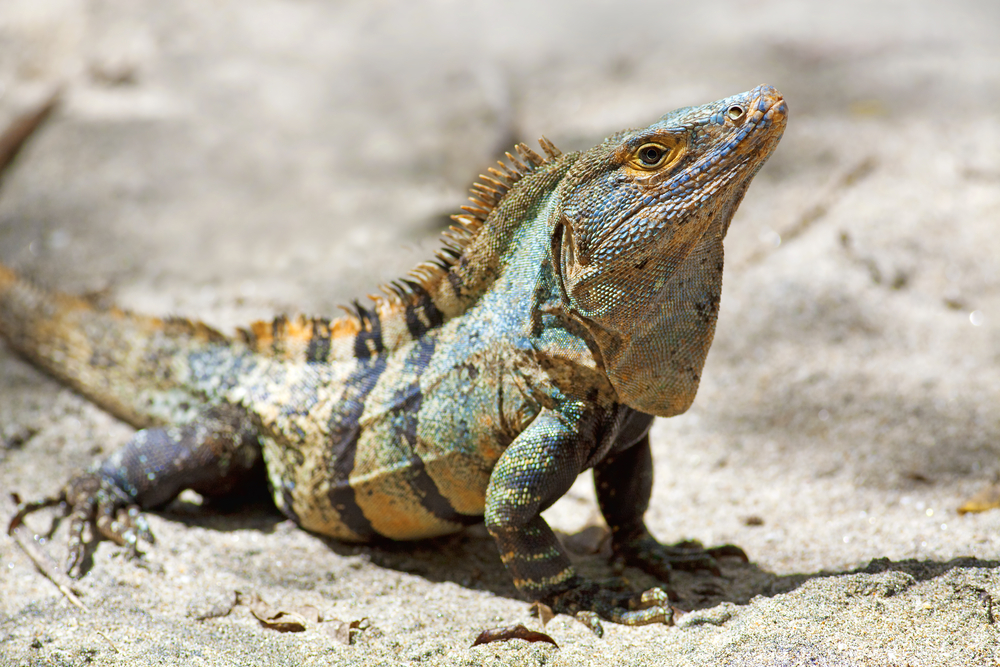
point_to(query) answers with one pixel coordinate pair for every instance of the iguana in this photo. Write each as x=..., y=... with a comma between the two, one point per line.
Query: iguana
x=574, y=299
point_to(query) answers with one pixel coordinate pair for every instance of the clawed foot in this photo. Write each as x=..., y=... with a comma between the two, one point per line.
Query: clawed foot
x=645, y=553
x=97, y=508
x=625, y=607
x=588, y=600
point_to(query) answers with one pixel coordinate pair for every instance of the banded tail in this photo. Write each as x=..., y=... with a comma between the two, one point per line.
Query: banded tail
x=124, y=362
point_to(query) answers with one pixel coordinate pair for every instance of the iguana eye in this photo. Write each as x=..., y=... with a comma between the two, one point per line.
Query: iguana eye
x=657, y=154
x=651, y=155
x=735, y=112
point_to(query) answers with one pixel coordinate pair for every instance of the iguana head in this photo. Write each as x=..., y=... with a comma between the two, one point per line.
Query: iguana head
x=638, y=246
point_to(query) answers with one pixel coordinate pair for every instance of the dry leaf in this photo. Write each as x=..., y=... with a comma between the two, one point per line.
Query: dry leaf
x=342, y=631
x=308, y=612
x=512, y=632
x=281, y=620
x=987, y=498
x=542, y=612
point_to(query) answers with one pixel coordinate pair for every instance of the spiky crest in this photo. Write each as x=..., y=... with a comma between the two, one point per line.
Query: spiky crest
x=293, y=338
x=486, y=196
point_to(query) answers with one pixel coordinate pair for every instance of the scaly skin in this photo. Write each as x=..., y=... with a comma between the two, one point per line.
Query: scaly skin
x=573, y=301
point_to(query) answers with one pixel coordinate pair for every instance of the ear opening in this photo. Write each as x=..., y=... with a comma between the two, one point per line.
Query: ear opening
x=558, y=256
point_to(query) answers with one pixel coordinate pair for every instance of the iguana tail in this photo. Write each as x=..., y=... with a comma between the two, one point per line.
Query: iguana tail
x=120, y=361
x=131, y=365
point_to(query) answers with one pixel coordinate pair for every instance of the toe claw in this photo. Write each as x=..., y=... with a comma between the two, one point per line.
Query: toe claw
x=587, y=601
x=97, y=509
x=142, y=526
x=654, y=597
x=592, y=621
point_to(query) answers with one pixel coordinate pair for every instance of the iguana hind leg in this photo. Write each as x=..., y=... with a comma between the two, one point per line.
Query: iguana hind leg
x=214, y=454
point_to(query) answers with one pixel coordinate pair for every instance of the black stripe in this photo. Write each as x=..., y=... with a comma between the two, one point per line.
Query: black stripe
x=277, y=333
x=371, y=330
x=430, y=497
x=422, y=304
x=319, y=343
x=408, y=402
x=344, y=433
x=288, y=504
x=455, y=280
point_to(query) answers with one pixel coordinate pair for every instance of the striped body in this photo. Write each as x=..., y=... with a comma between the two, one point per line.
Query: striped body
x=357, y=449
x=393, y=429
x=576, y=298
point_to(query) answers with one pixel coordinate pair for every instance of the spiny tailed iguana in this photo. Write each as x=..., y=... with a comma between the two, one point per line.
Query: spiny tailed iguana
x=574, y=299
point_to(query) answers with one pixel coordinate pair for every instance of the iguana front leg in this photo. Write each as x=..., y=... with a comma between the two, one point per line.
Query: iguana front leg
x=213, y=454
x=624, y=482
x=535, y=470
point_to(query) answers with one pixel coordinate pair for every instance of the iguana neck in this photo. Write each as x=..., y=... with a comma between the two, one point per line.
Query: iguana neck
x=523, y=211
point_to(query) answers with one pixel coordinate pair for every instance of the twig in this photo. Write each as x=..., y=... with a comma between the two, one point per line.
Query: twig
x=108, y=640
x=50, y=570
x=21, y=128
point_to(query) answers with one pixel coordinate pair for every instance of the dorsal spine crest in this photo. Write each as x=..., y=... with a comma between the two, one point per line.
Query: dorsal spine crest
x=423, y=294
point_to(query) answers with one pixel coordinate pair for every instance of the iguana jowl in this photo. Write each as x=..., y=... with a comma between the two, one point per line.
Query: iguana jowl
x=575, y=299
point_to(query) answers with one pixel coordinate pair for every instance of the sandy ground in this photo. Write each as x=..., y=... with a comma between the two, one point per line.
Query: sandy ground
x=230, y=160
